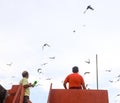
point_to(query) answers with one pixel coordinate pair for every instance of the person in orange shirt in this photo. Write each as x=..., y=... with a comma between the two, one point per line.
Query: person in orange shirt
x=75, y=80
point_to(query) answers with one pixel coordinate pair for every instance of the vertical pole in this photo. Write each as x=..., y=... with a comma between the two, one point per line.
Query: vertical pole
x=97, y=70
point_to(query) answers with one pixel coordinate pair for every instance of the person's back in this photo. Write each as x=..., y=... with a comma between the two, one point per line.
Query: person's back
x=24, y=81
x=75, y=80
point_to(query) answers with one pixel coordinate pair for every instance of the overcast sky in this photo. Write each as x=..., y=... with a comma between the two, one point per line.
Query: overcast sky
x=73, y=37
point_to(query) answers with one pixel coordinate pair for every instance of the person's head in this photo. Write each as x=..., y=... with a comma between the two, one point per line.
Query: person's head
x=25, y=74
x=75, y=69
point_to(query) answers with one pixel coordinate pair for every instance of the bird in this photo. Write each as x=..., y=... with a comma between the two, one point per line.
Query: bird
x=44, y=64
x=118, y=75
x=48, y=78
x=51, y=57
x=111, y=81
x=86, y=85
x=39, y=70
x=108, y=70
x=74, y=31
x=9, y=64
x=86, y=73
x=12, y=76
x=88, y=7
x=45, y=45
x=62, y=81
x=84, y=25
x=118, y=94
x=118, y=79
x=88, y=61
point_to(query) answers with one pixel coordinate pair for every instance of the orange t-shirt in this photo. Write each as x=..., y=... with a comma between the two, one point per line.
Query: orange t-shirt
x=74, y=79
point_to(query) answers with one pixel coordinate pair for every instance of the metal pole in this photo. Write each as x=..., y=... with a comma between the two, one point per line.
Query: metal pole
x=97, y=70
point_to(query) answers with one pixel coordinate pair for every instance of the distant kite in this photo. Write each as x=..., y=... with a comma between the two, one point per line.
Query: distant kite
x=88, y=7
x=45, y=45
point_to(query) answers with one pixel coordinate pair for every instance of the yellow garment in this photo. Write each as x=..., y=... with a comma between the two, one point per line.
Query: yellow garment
x=24, y=81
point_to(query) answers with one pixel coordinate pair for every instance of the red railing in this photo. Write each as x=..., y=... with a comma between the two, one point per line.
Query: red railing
x=77, y=96
x=48, y=101
x=19, y=95
x=16, y=94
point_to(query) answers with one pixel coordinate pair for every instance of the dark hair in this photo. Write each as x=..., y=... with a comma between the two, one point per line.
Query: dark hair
x=75, y=69
x=25, y=73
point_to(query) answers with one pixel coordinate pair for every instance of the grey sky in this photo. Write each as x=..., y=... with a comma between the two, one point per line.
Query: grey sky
x=26, y=25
